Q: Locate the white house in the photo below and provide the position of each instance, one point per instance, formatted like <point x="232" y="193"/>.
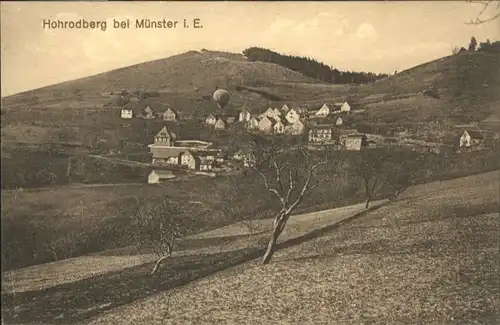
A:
<point x="324" y="111"/>
<point x="295" y="128"/>
<point x="470" y="138"/>
<point x="169" y="115"/>
<point x="211" y="119"/>
<point x="244" y="116"/>
<point x="339" y="121"/>
<point x="277" y="112"/>
<point x="252" y="124"/>
<point x="220" y="124"/>
<point x="292" y="116"/>
<point x="157" y="176"/>
<point x="189" y="160"/>
<point x="127" y="114"/>
<point x="344" y="107"/>
<point x="266" y="124"/>
<point x="279" y="127"/>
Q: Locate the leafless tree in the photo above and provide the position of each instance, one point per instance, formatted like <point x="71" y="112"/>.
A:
<point x="289" y="171"/>
<point x="490" y="11"/>
<point x="386" y="169"/>
<point x="156" y="224"/>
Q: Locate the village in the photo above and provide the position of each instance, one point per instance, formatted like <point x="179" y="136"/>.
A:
<point x="331" y="125"/>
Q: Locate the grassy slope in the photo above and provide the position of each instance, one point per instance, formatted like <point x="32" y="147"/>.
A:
<point x="427" y="259"/>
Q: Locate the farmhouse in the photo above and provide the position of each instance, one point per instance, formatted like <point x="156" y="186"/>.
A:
<point x="158" y="176"/>
<point x="190" y="161"/>
<point x="170" y="115"/>
<point x="127" y="113"/>
<point x="211" y="119"/>
<point x="470" y="138"/>
<point x="343" y="107"/>
<point x="279" y="127"/>
<point x="165" y="155"/>
<point x="324" y="111"/>
<point x="206" y="164"/>
<point x="149" y="113"/>
<point x="296" y="128"/>
<point x="354" y="142"/>
<point x="320" y="134"/>
<point x="164" y="138"/>
<point x="229" y="119"/>
<point x="244" y="116"/>
<point x="220" y="124"/>
<point x="252" y="124"/>
<point x="266" y="124"/>
<point x="292" y="116"/>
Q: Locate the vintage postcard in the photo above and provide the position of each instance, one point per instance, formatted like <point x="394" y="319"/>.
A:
<point x="250" y="162"/>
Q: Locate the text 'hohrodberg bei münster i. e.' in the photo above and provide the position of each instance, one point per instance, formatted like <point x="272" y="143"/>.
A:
<point x="120" y="24"/>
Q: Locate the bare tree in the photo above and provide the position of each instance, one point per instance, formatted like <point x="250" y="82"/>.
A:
<point x="288" y="171"/>
<point x="156" y="224"/>
<point x="386" y="169"/>
<point x="489" y="12"/>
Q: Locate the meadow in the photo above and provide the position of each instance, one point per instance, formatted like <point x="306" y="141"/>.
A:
<point x="425" y="257"/>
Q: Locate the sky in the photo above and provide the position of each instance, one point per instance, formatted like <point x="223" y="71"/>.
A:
<point x="380" y="36"/>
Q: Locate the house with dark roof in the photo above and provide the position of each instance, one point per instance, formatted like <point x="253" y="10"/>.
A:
<point x="170" y="115"/>
<point x="470" y="138"/>
<point x="354" y="142"/>
<point x="159" y="176"/>
<point x="189" y="160"/>
<point x="165" y="138"/>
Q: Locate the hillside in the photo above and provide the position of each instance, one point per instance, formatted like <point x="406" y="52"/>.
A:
<point x="464" y="89"/>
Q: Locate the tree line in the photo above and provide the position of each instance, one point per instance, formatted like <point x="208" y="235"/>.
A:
<point x="310" y="67"/>
<point x="486" y="47"/>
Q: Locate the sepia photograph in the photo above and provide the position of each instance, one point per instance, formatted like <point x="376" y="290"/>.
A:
<point x="250" y="162"/>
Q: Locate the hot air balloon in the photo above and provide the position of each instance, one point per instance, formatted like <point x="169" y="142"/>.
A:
<point x="221" y="96"/>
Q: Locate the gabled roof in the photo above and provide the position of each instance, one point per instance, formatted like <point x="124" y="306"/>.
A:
<point x="325" y="105"/>
<point x="356" y="136"/>
<point x="171" y="110"/>
<point x="211" y="116"/>
<point x="285" y="108"/>
<point x="165" y="133"/>
<point x="271" y="119"/>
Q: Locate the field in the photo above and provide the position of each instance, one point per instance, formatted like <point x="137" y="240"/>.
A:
<point x="426" y="257"/>
<point x="429" y="258"/>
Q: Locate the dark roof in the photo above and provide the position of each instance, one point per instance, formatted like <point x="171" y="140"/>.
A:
<point x="475" y="134"/>
<point x="356" y="136"/>
<point x="163" y="173"/>
<point x="165" y="132"/>
<point x="320" y="127"/>
<point x="166" y="152"/>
